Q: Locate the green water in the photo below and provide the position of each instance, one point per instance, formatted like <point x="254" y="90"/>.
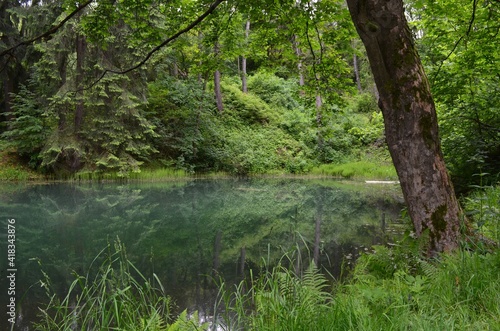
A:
<point x="188" y="231"/>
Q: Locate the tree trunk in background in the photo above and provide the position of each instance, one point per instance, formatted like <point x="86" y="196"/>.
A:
<point x="218" y="91"/>
<point x="8" y="88"/>
<point x="244" y="87"/>
<point x="298" y="52"/>
<point x="80" y="59"/>
<point x="410" y="120"/>
<point x="356" y="72"/>
<point x="217" y="87"/>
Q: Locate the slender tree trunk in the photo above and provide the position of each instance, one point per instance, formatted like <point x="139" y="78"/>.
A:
<point x="217" y="87"/>
<point x="319" y="124"/>
<point x="244" y="86"/>
<point x="8" y="88"/>
<point x="298" y="53"/>
<point x="80" y="58"/>
<point x="319" y="101"/>
<point x="410" y="120"/>
<point x="218" y="91"/>
<point x="356" y="72"/>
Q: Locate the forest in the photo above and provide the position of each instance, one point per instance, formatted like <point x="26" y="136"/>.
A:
<point x="146" y="89"/>
<point x="253" y="88"/>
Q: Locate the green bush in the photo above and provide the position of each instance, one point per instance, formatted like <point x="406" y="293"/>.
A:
<point x="484" y="208"/>
<point x="260" y="150"/>
<point x="274" y="90"/>
<point x="246" y="106"/>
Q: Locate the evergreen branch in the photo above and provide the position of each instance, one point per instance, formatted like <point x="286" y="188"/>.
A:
<point x="191" y="26"/>
<point x="49" y="32"/>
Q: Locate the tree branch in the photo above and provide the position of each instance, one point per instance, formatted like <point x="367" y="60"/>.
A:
<point x="469" y="29"/>
<point x="160" y="46"/>
<point x="48" y="32"/>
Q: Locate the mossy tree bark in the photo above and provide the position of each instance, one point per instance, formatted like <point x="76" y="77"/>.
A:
<point x="410" y="120"/>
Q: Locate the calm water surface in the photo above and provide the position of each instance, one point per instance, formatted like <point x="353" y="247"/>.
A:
<point x="186" y="231"/>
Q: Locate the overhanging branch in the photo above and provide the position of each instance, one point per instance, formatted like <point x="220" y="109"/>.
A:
<point x="160" y="46"/>
<point x="48" y="32"/>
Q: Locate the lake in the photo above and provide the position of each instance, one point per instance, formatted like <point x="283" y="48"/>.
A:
<point x="187" y="231"/>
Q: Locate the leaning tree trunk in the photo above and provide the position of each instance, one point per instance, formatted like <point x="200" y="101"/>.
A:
<point x="410" y="120"/>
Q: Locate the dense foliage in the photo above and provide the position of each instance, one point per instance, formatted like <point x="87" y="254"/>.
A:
<point x="295" y="90"/>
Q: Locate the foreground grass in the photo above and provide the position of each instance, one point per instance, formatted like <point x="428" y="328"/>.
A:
<point x="393" y="288"/>
<point x="113" y="295"/>
<point x="388" y="290"/>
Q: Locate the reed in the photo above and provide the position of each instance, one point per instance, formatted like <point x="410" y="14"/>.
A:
<point x="116" y="296"/>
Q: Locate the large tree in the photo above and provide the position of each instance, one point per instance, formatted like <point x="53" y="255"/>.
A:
<point x="410" y="120"/>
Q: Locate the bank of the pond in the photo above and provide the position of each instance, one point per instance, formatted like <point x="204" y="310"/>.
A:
<point x="12" y="169"/>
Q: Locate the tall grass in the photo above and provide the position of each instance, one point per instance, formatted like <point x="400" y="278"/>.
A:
<point x="116" y="296"/>
<point x="393" y="288"/>
<point x="278" y="299"/>
<point x="359" y="169"/>
<point x="158" y="174"/>
<point x="459" y="292"/>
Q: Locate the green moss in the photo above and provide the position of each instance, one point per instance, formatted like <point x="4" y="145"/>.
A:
<point x="438" y="221"/>
<point x="372" y="27"/>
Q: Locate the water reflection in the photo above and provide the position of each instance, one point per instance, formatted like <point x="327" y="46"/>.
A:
<point x="187" y="232"/>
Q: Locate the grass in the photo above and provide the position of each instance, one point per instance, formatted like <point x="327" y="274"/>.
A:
<point x="483" y="206"/>
<point x="386" y="291"/>
<point x="359" y="169"/>
<point x="113" y="295"/>
<point x="158" y="174"/>
<point x="12" y="170"/>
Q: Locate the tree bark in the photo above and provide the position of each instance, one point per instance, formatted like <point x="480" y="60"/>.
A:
<point x="217" y="87"/>
<point x="80" y="58"/>
<point x="356" y="72"/>
<point x="244" y="87"/>
<point x="298" y="53"/>
<point x="410" y="120"/>
<point x="218" y="91"/>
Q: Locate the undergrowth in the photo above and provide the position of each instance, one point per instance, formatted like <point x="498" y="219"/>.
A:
<point x="390" y="288"/>
<point x="11" y="168"/>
